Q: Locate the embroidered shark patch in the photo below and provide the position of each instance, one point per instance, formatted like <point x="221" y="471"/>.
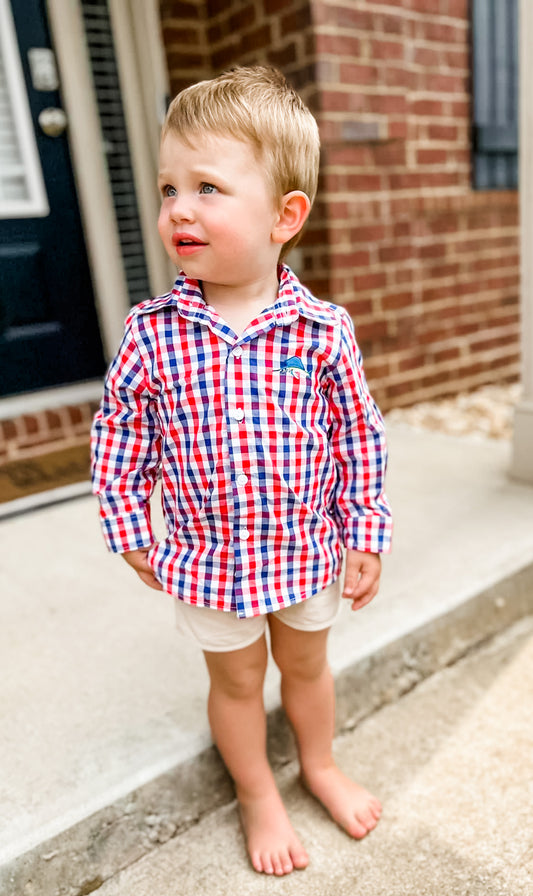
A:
<point x="294" y="366"/>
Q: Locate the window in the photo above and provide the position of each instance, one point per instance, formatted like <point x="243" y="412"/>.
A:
<point x="495" y="93"/>
<point x="22" y="192"/>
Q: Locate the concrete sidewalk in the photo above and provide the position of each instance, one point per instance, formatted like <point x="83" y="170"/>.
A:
<point x="452" y="762"/>
<point x="104" y="739"/>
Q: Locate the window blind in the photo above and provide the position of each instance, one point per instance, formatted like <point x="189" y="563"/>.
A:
<point x="495" y="93"/>
<point x="113" y="124"/>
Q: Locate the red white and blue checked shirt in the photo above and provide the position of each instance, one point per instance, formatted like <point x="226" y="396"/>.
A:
<point x="270" y="448"/>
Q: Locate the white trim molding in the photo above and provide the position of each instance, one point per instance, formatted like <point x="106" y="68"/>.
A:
<point x="522" y="461"/>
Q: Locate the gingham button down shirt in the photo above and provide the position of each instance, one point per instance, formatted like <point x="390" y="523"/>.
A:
<point x="270" y="449"/>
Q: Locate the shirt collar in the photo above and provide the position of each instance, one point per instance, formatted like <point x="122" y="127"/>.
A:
<point x="293" y="300"/>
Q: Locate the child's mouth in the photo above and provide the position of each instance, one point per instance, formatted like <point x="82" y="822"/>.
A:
<point x="186" y="245"/>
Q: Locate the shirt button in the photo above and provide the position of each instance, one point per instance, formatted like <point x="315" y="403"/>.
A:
<point x="237" y="352"/>
<point x="238" y="414"/>
<point x="242" y="479"/>
<point x="244" y="533"/>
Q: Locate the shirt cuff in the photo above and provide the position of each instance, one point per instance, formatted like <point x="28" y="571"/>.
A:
<point x="126" y="527"/>
<point x="371" y="533"/>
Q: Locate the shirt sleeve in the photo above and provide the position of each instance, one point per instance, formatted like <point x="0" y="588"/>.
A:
<point x="358" y="443"/>
<point x="126" y="449"/>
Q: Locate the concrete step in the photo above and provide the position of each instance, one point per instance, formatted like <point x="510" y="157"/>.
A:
<point x="451" y="763"/>
<point x="105" y="744"/>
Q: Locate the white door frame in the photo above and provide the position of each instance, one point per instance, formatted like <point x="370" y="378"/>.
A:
<point x="143" y="91"/>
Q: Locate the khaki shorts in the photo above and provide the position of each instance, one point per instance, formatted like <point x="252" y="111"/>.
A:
<point x="218" y="631"/>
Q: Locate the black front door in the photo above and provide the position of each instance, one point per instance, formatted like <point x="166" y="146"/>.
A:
<point x="49" y="331"/>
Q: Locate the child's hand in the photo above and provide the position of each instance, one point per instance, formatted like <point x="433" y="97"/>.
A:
<point x="139" y="562"/>
<point x="361" y="580"/>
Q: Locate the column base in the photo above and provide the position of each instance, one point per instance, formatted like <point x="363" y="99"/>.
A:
<point x="522" y="458"/>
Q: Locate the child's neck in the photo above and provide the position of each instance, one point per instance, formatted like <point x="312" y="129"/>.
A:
<point x="238" y="306"/>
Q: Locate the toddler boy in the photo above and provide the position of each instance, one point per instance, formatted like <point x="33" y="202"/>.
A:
<point x="247" y="396"/>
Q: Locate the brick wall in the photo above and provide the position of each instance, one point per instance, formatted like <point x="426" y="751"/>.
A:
<point x="428" y="267"/>
<point x="44" y="450"/>
<point x="30" y="434"/>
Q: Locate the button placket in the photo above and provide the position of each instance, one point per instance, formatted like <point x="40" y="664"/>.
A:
<point x="237" y="446"/>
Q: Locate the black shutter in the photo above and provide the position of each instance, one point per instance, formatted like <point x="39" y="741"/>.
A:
<point x="495" y="99"/>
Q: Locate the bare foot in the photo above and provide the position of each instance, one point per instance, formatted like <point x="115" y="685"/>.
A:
<point x="351" y="806"/>
<point x="272" y="843"/>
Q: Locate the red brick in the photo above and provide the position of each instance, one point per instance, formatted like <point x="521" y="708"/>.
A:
<point x="432" y="156"/>
<point x="351" y="17"/>
<point x="447" y="354"/>
<point x="367" y="332"/>
<point x="398" y="130"/>
<point x="427" y="107"/>
<point x="296" y="20"/>
<point x="394" y="24"/>
<point x="430" y="57"/>
<point x="439" y="272"/>
<point x="428" y="7"/>
<point x="432" y="250"/>
<point x="369" y="234"/>
<point x="388" y="104"/>
<point x="274" y="6"/>
<point x="363" y="182"/>
<point x="338" y="45"/>
<point x="459" y="9"/>
<point x="397" y="300"/>
<point x="396" y="76"/>
<point x="359" y="156"/>
<point x="181" y="59"/>
<point x="447" y="132"/>
<point x="387" y="49"/>
<point x="395" y="252"/>
<point x="358" y="74"/>
<point x="53" y="420"/>
<point x="441" y="32"/>
<point x="283" y="56"/>
<point x="242" y="18"/>
<point x="257" y="39"/>
<point x="369" y="281"/>
<point x="31" y="424"/>
<point x="176" y="34"/>
<point x="349" y="259"/>
<point x="8" y="430"/>
<point x="181" y="9"/>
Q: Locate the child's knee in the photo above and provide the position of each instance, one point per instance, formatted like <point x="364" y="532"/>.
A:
<point x="299" y="655"/>
<point x="238" y="675"/>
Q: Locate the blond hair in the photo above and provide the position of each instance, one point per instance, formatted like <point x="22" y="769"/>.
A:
<point x="255" y="104"/>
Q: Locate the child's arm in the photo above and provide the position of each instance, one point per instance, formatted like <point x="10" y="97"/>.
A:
<point x="358" y="444"/>
<point x="126" y="448"/>
<point x="361" y="579"/>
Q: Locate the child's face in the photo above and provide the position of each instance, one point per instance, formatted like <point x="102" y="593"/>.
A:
<point x="217" y="212"/>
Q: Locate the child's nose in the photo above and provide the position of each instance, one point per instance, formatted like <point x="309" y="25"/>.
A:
<point x="181" y="208"/>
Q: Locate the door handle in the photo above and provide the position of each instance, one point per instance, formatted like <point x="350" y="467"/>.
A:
<point x="53" y="121"/>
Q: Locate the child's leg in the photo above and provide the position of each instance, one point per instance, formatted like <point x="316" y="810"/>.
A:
<point x="238" y="725"/>
<point x="308" y="696"/>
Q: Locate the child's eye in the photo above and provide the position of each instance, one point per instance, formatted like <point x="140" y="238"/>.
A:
<point x="207" y="188"/>
<point x="168" y="191"/>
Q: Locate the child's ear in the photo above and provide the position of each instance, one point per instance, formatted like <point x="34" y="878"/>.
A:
<point x="293" y="213"/>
